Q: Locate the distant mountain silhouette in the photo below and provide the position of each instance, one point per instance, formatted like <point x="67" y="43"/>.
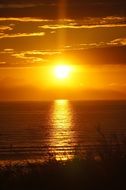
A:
<point x="33" y="93"/>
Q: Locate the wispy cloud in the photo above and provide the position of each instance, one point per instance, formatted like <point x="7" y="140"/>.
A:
<point x="24" y="19"/>
<point x="114" y="55"/>
<point x="2" y="63"/>
<point x="3" y="28"/>
<point x="88" y="22"/>
<point x="24" y="54"/>
<point x="76" y="26"/>
<point x="19" y="5"/>
<point x="119" y="41"/>
<point x="19" y="35"/>
<point x="35" y="56"/>
<point x="26" y="58"/>
<point x="8" y="50"/>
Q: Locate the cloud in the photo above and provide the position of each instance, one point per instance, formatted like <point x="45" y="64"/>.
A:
<point x="76" y="26"/>
<point x="12" y="58"/>
<point x="119" y="41"/>
<point x="18" y="6"/>
<point x="19" y="35"/>
<point x="87" y="22"/>
<point x="35" y="53"/>
<point x="85" y="46"/>
<point x="3" y="28"/>
<point x="28" y="51"/>
<point x="2" y="63"/>
<point x="36" y="56"/>
<point x="29" y="58"/>
<point x="8" y="50"/>
<point x="23" y="19"/>
<point x="51" y="8"/>
<point x="84" y="20"/>
<point x="114" y="55"/>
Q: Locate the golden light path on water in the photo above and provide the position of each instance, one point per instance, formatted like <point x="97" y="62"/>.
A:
<point x="62" y="133"/>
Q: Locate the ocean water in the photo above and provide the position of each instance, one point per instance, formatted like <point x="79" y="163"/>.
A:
<point x="39" y="129"/>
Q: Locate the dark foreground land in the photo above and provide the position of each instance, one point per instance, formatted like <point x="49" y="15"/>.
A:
<point x="103" y="168"/>
<point x="75" y="174"/>
<point x="88" y="174"/>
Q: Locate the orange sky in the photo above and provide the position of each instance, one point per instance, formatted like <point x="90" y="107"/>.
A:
<point x="31" y="46"/>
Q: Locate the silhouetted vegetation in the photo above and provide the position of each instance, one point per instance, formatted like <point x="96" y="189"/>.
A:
<point x="101" y="168"/>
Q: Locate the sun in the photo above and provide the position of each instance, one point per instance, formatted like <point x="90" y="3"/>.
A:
<point x="62" y="71"/>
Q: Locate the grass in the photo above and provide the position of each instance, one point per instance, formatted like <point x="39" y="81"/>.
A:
<point x="72" y="174"/>
<point x="101" y="168"/>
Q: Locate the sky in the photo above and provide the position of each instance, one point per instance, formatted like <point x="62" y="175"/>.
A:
<point x="89" y="35"/>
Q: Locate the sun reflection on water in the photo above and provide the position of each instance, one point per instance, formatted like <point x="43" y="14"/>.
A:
<point x="61" y="120"/>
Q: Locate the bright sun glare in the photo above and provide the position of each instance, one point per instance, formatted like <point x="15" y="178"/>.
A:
<point x="62" y="71"/>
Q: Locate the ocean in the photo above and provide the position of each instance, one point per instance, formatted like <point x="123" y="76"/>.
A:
<point x="30" y="130"/>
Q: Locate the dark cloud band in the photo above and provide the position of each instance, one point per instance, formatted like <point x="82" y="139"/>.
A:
<point x="52" y="8"/>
